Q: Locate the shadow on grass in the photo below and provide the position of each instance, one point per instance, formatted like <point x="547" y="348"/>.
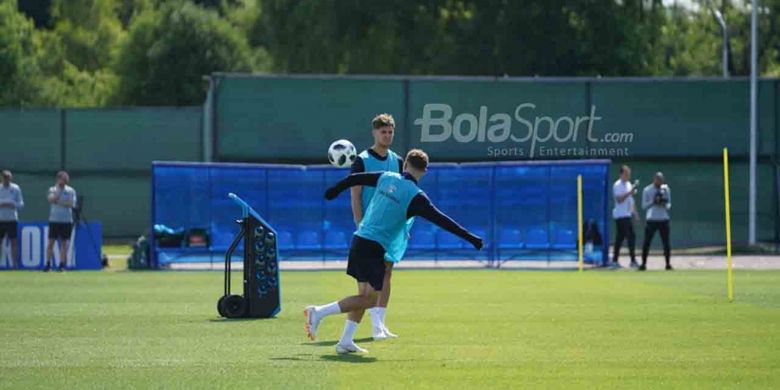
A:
<point x="294" y="359"/>
<point x="333" y="342"/>
<point x="225" y="320"/>
<point x="349" y="358"/>
<point x="346" y="358"/>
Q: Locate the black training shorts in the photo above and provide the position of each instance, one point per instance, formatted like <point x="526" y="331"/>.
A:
<point x="8" y="229"/>
<point x="60" y="231"/>
<point x="367" y="262"/>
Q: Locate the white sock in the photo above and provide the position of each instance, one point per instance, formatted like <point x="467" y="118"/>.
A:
<point x="374" y="318"/>
<point x="349" y="332"/>
<point x="378" y="317"/>
<point x="329" y="309"/>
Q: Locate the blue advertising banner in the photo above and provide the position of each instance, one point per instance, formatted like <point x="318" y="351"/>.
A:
<point x="32" y="240"/>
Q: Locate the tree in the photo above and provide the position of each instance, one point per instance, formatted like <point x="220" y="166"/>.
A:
<point x="65" y="84"/>
<point x="35" y="72"/>
<point x="244" y="16"/>
<point x="97" y="52"/>
<point x="472" y="37"/>
<point x="169" y="50"/>
<point x="352" y="36"/>
<point x="692" y="41"/>
<point x="129" y="9"/>
<point x="90" y="30"/>
<point x="19" y="49"/>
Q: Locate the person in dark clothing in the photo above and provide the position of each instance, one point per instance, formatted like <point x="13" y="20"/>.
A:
<point x="396" y="199"/>
<point x="378" y="158"/>
<point x="657" y="200"/>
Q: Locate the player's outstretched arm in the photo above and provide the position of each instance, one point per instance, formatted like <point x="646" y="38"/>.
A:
<point x="355" y="179"/>
<point x="422" y="206"/>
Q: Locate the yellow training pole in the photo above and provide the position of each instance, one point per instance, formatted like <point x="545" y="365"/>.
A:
<point x="579" y="221"/>
<point x="729" y="277"/>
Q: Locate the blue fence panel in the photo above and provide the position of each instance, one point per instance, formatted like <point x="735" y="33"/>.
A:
<point x="525" y="210"/>
<point x="251" y="183"/>
<point x="338" y="222"/>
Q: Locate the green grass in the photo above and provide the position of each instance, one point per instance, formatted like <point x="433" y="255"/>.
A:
<point x="459" y="329"/>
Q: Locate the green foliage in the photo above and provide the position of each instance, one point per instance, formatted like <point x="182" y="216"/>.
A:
<point x="90" y="31"/>
<point x="496" y="37"/>
<point x="169" y="50"/>
<point x="692" y="40"/>
<point x="98" y="52"/>
<point x="244" y="15"/>
<point x="19" y="49"/>
<point x="698" y="52"/>
<point x="491" y="37"/>
<point x="35" y="68"/>
<point x="129" y="9"/>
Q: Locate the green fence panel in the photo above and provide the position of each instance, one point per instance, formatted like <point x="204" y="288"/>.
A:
<point x="120" y="203"/>
<point x="294" y="119"/>
<point x="471" y="119"/>
<point x="685" y="118"/>
<point x="131" y="138"/>
<point x="767" y="117"/>
<point x="31" y="139"/>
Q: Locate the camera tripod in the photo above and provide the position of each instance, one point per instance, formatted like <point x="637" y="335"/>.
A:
<point x="79" y="217"/>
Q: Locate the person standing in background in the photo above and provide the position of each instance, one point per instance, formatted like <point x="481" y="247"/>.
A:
<point x="657" y="200"/>
<point x="62" y="201"/>
<point x="10" y="202"/>
<point x="379" y="158"/>
<point x="623" y="192"/>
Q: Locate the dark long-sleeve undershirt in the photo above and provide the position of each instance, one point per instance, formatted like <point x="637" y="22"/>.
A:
<point x="420" y="206"/>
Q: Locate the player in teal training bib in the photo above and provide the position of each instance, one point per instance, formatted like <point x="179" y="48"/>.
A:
<point x="380" y="158"/>
<point x="371" y="162"/>
<point x="396" y="200"/>
<point x="385" y="219"/>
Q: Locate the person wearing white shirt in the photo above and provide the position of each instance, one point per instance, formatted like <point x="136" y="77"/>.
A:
<point x="657" y="200"/>
<point x="62" y="201"/>
<point x="10" y="202"/>
<point x="623" y="192"/>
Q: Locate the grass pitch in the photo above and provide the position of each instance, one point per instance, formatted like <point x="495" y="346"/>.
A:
<point x="459" y="329"/>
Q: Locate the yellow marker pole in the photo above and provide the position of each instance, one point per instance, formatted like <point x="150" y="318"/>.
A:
<point x="579" y="221"/>
<point x="730" y="276"/>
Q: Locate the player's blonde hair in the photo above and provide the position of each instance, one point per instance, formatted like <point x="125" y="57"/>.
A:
<point x="417" y="159"/>
<point x="382" y="120"/>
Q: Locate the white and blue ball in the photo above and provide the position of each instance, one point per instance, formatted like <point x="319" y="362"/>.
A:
<point x="342" y="153"/>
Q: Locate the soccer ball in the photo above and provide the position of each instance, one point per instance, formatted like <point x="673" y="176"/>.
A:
<point x="342" y="153"/>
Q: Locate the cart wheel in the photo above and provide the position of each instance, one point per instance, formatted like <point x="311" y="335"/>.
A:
<point x="234" y="306"/>
<point x="221" y="305"/>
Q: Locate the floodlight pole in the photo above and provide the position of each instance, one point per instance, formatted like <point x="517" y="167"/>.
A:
<point x="725" y="32"/>
<point x="753" y="120"/>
